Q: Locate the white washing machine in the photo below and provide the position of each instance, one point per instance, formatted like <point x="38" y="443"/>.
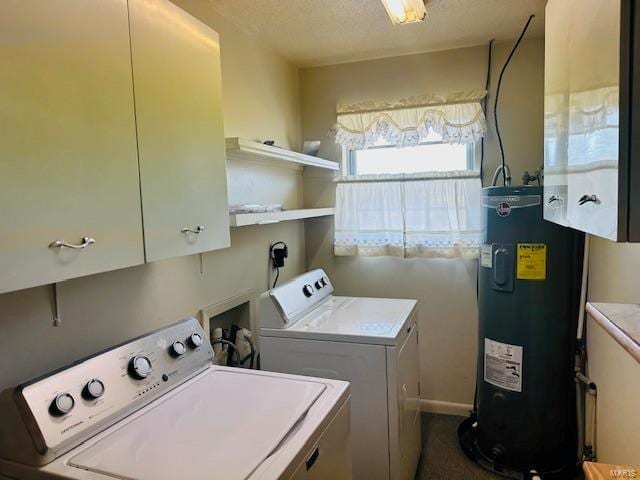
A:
<point x="370" y="342"/>
<point x="156" y="409"/>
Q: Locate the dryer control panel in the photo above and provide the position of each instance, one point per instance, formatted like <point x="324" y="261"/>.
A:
<point x="65" y="407"/>
<point x="300" y="295"/>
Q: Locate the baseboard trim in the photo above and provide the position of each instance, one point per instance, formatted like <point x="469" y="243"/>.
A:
<point x="445" y="408"/>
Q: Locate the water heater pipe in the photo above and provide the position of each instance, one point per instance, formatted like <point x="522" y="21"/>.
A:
<point x="583" y="288"/>
<point x="580" y="418"/>
<point x="585" y="400"/>
<point x="590" y="407"/>
<point x="506" y="171"/>
<point x="590" y="422"/>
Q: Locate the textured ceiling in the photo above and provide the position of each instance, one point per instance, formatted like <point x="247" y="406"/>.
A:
<point x="324" y="32"/>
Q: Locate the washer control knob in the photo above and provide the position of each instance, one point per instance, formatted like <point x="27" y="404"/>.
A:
<point x="93" y="390"/>
<point x="177" y="349"/>
<point x="325" y="281"/>
<point x="140" y="367"/>
<point x="195" y="340"/>
<point x="62" y="404"/>
<point x="308" y="290"/>
<point x="319" y="284"/>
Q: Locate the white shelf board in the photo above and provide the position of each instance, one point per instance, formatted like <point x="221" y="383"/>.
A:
<point x="243" y="219"/>
<point x="241" y="149"/>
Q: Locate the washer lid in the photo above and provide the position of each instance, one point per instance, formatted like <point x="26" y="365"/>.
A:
<point x="223" y="425"/>
<point x="352" y="319"/>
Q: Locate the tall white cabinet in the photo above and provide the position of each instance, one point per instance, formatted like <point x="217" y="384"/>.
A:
<point x="111" y="139"/>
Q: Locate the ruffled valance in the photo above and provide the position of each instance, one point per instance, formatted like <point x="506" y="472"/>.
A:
<point x="576" y="121"/>
<point x="457" y="119"/>
<point x="594" y="110"/>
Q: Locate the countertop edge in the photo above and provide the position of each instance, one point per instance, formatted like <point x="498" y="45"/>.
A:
<point x="619" y="335"/>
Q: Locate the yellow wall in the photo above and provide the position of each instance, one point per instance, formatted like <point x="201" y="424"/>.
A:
<point x="260" y="96"/>
<point x="613" y="277"/>
<point x="446" y="289"/>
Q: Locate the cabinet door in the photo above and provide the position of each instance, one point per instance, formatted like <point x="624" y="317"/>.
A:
<point x="594" y="117"/>
<point x="68" y="161"/>
<point x="176" y="72"/>
<point x="556" y="109"/>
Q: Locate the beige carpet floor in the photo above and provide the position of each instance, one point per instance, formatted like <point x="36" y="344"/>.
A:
<point x="442" y="458"/>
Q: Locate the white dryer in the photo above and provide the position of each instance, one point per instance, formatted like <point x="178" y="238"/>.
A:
<point x="370" y="342"/>
<point x="156" y="409"/>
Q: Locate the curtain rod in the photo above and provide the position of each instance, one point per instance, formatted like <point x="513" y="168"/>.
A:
<point x="392" y="108"/>
<point x="405" y="179"/>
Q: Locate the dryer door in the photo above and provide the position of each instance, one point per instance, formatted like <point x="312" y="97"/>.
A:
<point x="404" y="405"/>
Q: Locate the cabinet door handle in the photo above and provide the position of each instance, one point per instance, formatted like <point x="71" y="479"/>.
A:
<point x="86" y="241"/>
<point x="198" y="230"/>
<point x="553" y="198"/>
<point x="588" y="198"/>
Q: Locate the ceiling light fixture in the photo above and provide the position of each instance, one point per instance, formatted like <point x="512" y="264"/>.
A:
<point x="405" y="11"/>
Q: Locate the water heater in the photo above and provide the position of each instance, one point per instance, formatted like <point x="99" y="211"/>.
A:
<point x="528" y="292"/>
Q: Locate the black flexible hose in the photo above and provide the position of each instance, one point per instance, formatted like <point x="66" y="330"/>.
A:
<point x="495" y="104"/>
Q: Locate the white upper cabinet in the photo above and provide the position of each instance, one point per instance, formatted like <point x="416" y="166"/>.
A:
<point x="592" y="123"/>
<point x="556" y="110"/>
<point x="68" y="160"/>
<point x="594" y="117"/>
<point x="111" y="140"/>
<point x="176" y="76"/>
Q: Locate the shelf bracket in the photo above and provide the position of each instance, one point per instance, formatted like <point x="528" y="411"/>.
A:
<point x="55" y="304"/>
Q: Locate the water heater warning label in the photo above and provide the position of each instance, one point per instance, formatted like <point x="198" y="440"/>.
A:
<point x="503" y="365"/>
<point x="532" y="261"/>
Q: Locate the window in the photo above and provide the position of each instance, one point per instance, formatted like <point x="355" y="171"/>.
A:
<point x="433" y="155"/>
<point x="402" y="202"/>
<point x="421" y="200"/>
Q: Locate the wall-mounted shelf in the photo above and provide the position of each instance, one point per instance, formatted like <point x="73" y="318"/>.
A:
<point x="244" y="219"/>
<point x="242" y="149"/>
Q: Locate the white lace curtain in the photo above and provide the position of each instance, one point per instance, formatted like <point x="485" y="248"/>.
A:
<point x="576" y="121"/>
<point x="423" y="215"/>
<point x="458" y="118"/>
<point x="409" y="217"/>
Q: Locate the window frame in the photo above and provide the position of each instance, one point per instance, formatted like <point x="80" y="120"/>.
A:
<point x="473" y="157"/>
